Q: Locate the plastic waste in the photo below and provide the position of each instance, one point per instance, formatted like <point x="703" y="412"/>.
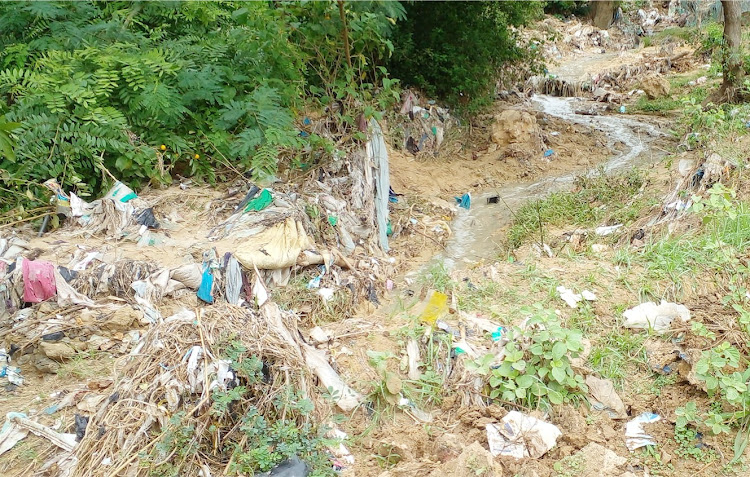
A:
<point x="206" y="288"/>
<point x="495" y="199"/>
<point x="622" y="109"/>
<point x="261" y="202"/>
<point x="572" y="298"/>
<point x="233" y="281"/>
<point x="635" y="435"/>
<point x="607" y="230"/>
<point x="292" y="467"/>
<point x="121" y="193"/>
<point x="62" y="199"/>
<point x="150" y="239"/>
<point x="464" y="201"/>
<point x="548" y="152"/>
<point x="649" y="315"/>
<point x="378" y="154"/>
<point x="521" y="436"/>
<point x="436" y="308"/>
<point x="411" y="408"/>
<point x="147" y="219"/>
<point x="90" y="257"/>
<point x="38" y="281"/>
<point x="81" y="423"/>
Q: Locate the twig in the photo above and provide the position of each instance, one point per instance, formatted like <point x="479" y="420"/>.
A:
<point x="27" y="219"/>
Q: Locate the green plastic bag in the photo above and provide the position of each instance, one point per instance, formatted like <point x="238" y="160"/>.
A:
<point x="260" y="202"/>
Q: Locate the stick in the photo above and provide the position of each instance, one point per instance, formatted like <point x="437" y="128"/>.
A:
<point x="27" y="219"/>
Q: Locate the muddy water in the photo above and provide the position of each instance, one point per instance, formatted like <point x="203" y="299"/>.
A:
<point x="476" y="231"/>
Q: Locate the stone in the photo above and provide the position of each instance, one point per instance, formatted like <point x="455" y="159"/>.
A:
<point x="58" y="350"/>
<point x="517" y="127"/>
<point x="474" y="460"/>
<point x="122" y="319"/>
<point x="45" y="365"/>
<point x="655" y="87"/>
<point x="595" y="460"/>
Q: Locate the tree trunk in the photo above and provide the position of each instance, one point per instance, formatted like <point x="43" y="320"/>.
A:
<point x="602" y="13"/>
<point x="732" y="56"/>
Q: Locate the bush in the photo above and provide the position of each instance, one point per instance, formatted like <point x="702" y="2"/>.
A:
<point x="145" y="89"/>
<point x="455" y="49"/>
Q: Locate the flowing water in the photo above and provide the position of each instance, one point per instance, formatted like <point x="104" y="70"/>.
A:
<point x="475" y="231"/>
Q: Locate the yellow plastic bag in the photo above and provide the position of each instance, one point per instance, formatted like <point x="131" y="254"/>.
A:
<point x="436" y="308"/>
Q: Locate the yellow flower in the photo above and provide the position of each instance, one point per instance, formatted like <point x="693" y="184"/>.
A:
<point x="197" y="156"/>
<point x="163" y="147"/>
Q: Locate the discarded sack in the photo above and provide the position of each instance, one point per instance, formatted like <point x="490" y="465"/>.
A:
<point x="275" y="247"/>
<point x="521" y="436"/>
<point x="649" y="315"/>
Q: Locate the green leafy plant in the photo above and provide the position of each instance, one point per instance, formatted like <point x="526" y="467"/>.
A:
<point x="456" y="49"/>
<point x="149" y="89"/>
<point x="536" y="369"/>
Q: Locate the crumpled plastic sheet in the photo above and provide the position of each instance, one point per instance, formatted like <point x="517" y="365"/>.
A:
<point x="521" y="436"/>
<point x="38" y="281"/>
<point x="233" y="281"/>
<point x="635" y="435"/>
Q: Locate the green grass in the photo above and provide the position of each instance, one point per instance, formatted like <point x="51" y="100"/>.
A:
<point x="688" y="35"/>
<point x="612" y="353"/>
<point x="437" y="278"/>
<point x="595" y="198"/>
<point x="658" y="105"/>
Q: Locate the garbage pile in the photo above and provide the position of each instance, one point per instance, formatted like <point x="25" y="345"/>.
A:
<point x="170" y="323"/>
<point x="427" y="125"/>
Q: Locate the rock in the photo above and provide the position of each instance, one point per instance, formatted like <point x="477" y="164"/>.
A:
<point x="122" y="319"/>
<point x="595" y="460"/>
<point x="96" y="342"/>
<point x="447" y="447"/>
<point x="655" y="87"/>
<point x="475" y="460"/>
<point x="87" y="317"/>
<point x="47" y="307"/>
<point x="57" y="350"/>
<point x="517" y="127"/>
<point x="45" y="365"/>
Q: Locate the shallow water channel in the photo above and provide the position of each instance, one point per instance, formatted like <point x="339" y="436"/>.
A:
<point x="476" y="230"/>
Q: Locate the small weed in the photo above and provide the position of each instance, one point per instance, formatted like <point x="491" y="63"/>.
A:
<point x="613" y="350"/>
<point x="86" y="365"/>
<point x="652" y="457"/>
<point x="437" y="278"/>
<point x="660" y="382"/>
<point x="658" y="105"/>
<point x="570" y="466"/>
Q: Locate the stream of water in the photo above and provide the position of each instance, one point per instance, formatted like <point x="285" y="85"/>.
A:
<point x="475" y="231"/>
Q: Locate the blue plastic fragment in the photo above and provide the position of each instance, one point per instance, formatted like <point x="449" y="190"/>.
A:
<point x="464" y="201"/>
<point x="548" y="152"/>
<point x="207" y="285"/>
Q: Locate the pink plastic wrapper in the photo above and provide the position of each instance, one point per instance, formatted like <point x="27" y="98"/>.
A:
<point x="38" y="281"/>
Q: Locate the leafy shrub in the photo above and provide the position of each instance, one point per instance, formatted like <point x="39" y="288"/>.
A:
<point x="455" y="49"/>
<point x="536" y="369"/>
<point x="109" y="83"/>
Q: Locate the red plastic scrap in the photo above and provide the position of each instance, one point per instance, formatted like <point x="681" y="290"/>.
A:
<point x="38" y="281"/>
